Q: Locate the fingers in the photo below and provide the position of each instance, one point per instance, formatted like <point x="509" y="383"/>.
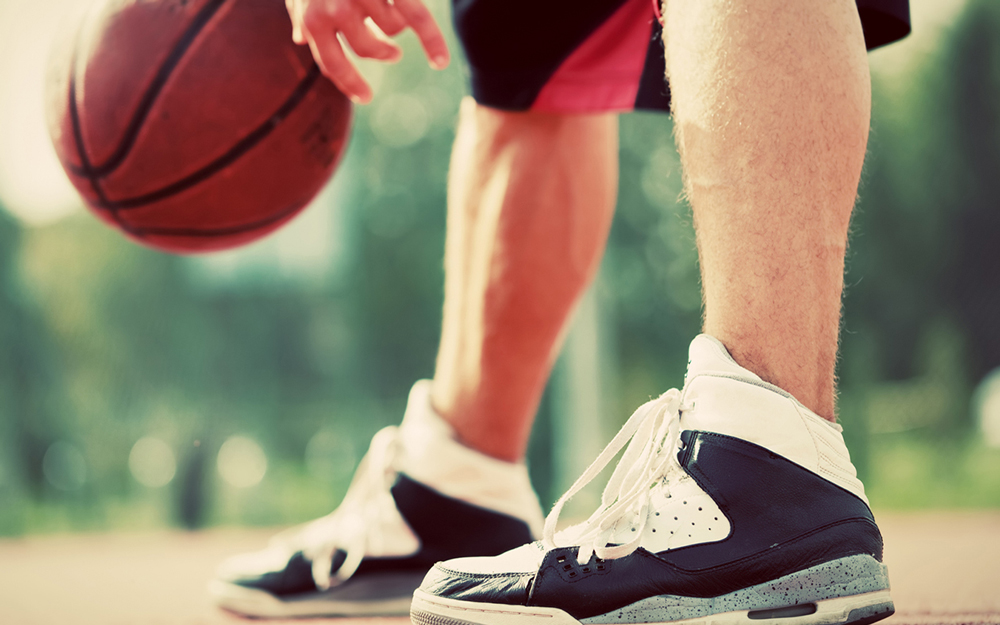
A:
<point x="422" y="22"/>
<point x="385" y="15"/>
<point x="367" y="44"/>
<point x="295" y="13"/>
<point x="326" y="25"/>
<point x="329" y="54"/>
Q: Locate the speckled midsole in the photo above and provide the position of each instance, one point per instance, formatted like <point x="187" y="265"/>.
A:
<point x="854" y="589"/>
<point x="845" y="577"/>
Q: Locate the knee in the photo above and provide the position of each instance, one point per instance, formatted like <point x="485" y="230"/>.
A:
<point x="500" y="127"/>
<point x="508" y="125"/>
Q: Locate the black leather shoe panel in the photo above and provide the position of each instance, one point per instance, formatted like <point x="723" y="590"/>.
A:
<point x="449" y="528"/>
<point x="784" y="518"/>
<point x="767" y="498"/>
<point x="619" y="583"/>
<point x="507" y="588"/>
<point x="295" y="578"/>
<point x="446" y="527"/>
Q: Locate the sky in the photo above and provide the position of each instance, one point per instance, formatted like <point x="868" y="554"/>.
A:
<point x="32" y="184"/>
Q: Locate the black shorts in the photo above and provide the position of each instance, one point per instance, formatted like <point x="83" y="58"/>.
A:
<point x="592" y="56"/>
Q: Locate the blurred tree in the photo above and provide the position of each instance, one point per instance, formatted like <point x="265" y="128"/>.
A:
<point x="924" y="258"/>
<point x="33" y="411"/>
<point x="972" y="61"/>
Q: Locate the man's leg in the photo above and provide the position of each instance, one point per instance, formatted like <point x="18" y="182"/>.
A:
<point x="733" y="502"/>
<point x="531" y="196"/>
<point x="530" y="203"/>
<point x="771" y="103"/>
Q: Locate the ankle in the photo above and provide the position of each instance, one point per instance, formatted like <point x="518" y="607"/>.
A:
<point x="432" y="454"/>
<point x="494" y="422"/>
<point x="797" y="367"/>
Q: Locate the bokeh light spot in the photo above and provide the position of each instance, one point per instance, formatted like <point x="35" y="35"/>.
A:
<point x="64" y="466"/>
<point x="400" y="120"/>
<point x="241" y="462"/>
<point x="987" y="401"/>
<point x="152" y="462"/>
<point x="330" y="455"/>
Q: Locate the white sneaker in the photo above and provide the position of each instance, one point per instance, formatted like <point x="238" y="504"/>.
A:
<point x="419" y="496"/>
<point x="732" y="504"/>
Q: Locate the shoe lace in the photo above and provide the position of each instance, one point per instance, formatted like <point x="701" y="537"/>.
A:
<point x="654" y="430"/>
<point x="354" y="526"/>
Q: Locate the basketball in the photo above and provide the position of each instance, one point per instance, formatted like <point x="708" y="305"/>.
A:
<point x="193" y="125"/>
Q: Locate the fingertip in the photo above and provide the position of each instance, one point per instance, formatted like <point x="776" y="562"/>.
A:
<point x="360" y="98"/>
<point x="390" y="53"/>
<point x="440" y="61"/>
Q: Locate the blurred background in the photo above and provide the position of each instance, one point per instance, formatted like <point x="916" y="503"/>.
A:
<point x="141" y="390"/>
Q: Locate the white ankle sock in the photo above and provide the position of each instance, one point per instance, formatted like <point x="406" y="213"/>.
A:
<point x="432" y="456"/>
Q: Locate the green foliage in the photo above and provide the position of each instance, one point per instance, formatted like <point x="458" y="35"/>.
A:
<point x="923" y="289"/>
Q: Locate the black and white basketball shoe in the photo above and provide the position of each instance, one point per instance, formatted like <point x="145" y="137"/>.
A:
<point x="732" y="504"/>
<point x="418" y="497"/>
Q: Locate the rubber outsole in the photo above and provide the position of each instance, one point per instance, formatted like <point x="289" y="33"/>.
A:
<point x="383" y="595"/>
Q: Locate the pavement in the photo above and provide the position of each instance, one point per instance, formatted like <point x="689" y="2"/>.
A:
<point x="944" y="567"/>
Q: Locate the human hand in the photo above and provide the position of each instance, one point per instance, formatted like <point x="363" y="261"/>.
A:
<point x="326" y="25"/>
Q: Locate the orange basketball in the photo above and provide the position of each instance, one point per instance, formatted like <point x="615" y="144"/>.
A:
<point x="193" y="125"/>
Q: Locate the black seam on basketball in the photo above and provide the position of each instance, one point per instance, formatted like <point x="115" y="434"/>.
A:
<point x="74" y="115"/>
<point x="238" y="150"/>
<point x="213" y="232"/>
<point x="152" y="92"/>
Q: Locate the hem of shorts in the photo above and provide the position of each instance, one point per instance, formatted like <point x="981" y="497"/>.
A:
<point x="584" y="96"/>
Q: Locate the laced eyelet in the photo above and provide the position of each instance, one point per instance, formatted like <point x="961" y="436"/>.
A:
<point x="652" y="437"/>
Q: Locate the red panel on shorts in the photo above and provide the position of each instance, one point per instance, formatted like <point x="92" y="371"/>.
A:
<point x="603" y="73"/>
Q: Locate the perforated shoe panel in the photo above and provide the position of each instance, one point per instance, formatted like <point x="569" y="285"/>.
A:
<point x="683" y="515"/>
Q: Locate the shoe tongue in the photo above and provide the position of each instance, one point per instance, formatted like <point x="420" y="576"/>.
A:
<point x="707" y="355"/>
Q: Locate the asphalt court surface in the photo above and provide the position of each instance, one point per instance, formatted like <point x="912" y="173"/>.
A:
<point x="944" y="568"/>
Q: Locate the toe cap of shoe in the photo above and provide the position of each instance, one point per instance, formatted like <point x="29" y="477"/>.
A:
<point x="451" y="583"/>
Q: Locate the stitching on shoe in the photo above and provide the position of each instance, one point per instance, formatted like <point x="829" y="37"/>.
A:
<point x="833" y="448"/>
<point x="812" y="438"/>
<point x="766" y="553"/>
<point x="468" y="575"/>
<point x="837" y="474"/>
<point x="485" y="611"/>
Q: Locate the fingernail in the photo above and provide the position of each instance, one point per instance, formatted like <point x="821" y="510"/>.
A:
<point x="440" y="62"/>
<point x="355" y="99"/>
